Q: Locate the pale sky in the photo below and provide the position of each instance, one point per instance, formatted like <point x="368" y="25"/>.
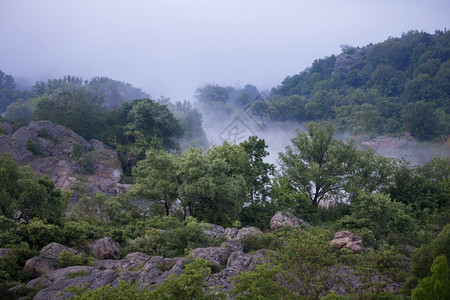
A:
<point x="170" y="48"/>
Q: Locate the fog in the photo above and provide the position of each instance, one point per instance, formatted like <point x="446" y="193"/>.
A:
<point x="170" y="48"/>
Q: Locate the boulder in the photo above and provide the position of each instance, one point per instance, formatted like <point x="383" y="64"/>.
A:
<point x="104" y="248"/>
<point x="213" y="231"/>
<point x="132" y="261"/>
<point x="248" y="231"/>
<point x="53" y="251"/>
<point x="158" y="269"/>
<point x="233" y="246"/>
<point x="39" y="266"/>
<point x="231" y="233"/>
<point x="348" y="240"/>
<point x="281" y="219"/>
<point x="58" y="281"/>
<point x="62" y="154"/>
<point x="216" y="255"/>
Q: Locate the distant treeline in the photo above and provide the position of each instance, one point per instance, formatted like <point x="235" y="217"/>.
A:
<point x="401" y="84"/>
<point x="118" y="114"/>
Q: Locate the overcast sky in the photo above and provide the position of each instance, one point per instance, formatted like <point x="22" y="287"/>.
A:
<point x="172" y="47"/>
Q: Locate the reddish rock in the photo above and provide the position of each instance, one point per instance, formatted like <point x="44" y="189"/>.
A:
<point x="39" y="266"/>
<point x="348" y="240"/>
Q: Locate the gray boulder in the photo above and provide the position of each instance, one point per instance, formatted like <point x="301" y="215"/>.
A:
<point x="281" y="219"/>
<point x="104" y="248"/>
<point x="216" y="255"/>
<point x="39" y="266"/>
<point x="54" y="250"/>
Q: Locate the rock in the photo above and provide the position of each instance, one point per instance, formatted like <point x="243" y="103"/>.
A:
<point x="248" y="231"/>
<point x="62" y="152"/>
<point x="132" y="261"/>
<point x="7" y="128"/>
<point x="213" y="231"/>
<point x="237" y="262"/>
<point x="53" y="251"/>
<point x="348" y="240"/>
<point x="231" y="233"/>
<point x="59" y="281"/>
<point x="4" y="251"/>
<point x="152" y="273"/>
<point x="215" y="255"/>
<point x="233" y="246"/>
<point x="281" y="219"/>
<point x="243" y="261"/>
<point x="39" y="266"/>
<point x="104" y="248"/>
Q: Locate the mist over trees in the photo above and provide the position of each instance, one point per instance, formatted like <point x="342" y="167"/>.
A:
<point x="399" y="211"/>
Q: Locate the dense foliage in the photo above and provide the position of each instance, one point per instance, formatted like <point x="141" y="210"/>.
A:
<point x="401" y="211"/>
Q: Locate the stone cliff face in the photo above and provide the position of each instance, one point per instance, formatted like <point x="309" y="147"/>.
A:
<point x="64" y="156"/>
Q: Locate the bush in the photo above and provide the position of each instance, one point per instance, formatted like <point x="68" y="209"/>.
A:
<point x="77" y="274"/>
<point x="254" y="242"/>
<point x="39" y="234"/>
<point x="34" y="148"/>
<point x="11" y="266"/>
<point x="67" y="259"/>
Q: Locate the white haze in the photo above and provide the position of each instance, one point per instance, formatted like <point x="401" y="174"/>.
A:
<point x="170" y="48"/>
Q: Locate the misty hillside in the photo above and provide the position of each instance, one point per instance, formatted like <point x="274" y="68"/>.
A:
<point x="399" y="85"/>
<point x="158" y="215"/>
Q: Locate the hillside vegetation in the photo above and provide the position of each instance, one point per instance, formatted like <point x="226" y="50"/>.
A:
<point x="371" y="227"/>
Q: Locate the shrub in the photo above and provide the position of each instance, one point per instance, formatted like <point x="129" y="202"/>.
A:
<point x="39" y="234"/>
<point x="11" y="266"/>
<point x="67" y="259"/>
<point x="254" y="242"/>
<point x="34" y="148"/>
<point x="77" y="274"/>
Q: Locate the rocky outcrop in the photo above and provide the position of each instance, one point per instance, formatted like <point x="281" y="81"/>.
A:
<point x="48" y="259"/>
<point x="64" y="156"/>
<point x="385" y="141"/>
<point x="104" y="248"/>
<point x="215" y="231"/>
<point x="54" y="250"/>
<point x="57" y="281"/>
<point x="281" y="219"/>
<point x="237" y="262"/>
<point x="132" y="261"/>
<point x="348" y="240"/>
<point x="39" y="266"/>
<point x="216" y="255"/>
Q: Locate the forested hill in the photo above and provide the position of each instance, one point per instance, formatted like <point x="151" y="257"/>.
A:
<point x="401" y="84"/>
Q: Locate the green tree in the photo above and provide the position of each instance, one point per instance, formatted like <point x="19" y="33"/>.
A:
<point x="436" y="286"/>
<point x="262" y="283"/>
<point x="212" y="93"/>
<point x="156" y="178"/>
<point x="77" y="109"/>
<point x="25" y="195"/>
<point x="259" y="175"/>
<point x="207" y="190"/>
<point x="317" y="162"/>
<point x="155" y="122"/>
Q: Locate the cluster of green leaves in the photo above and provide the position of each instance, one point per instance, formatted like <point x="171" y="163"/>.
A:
<point x="212" y="187"/>
<point x="23" y="195"/>
<point x="170" y="243"/>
